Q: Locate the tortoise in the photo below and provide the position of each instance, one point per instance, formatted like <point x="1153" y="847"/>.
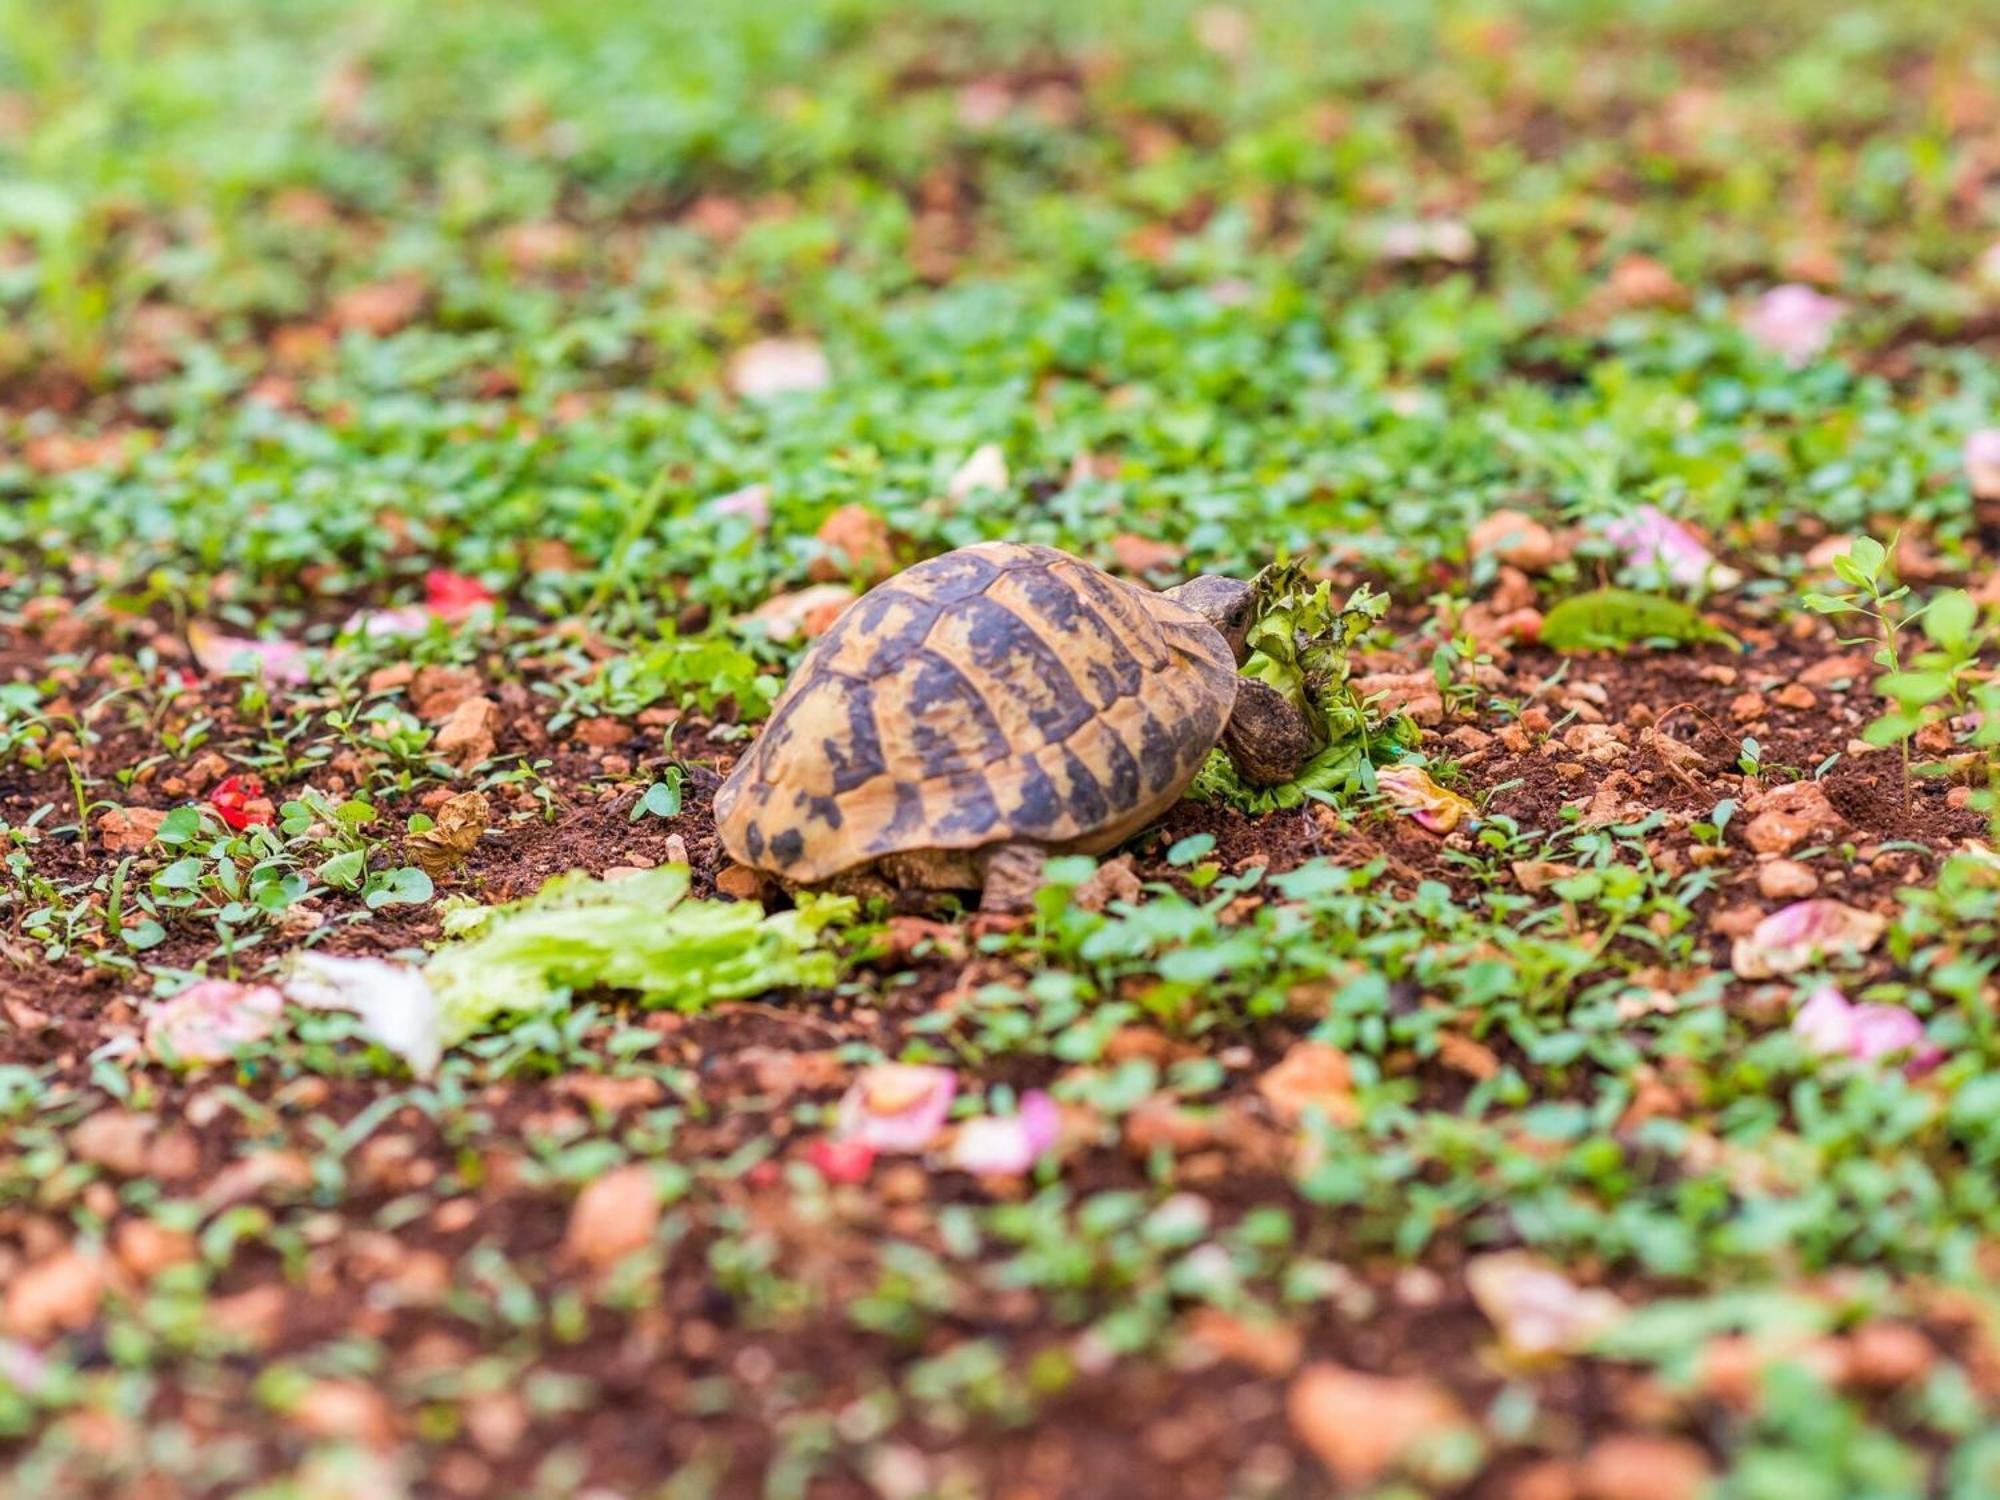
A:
<point x="990" y="706"/>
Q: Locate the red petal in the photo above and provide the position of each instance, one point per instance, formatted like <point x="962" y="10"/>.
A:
<point x="846" y="1161"/>
<point x="452" y="594"/>
<point x="232" y="797"/>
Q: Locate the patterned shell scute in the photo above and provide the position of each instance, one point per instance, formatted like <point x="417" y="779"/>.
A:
<point x="998" y="692"/>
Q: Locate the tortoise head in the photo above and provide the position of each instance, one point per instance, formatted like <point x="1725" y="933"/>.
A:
<point x="1224" y="602"/>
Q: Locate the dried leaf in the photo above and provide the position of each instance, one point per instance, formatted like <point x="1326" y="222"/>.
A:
<point x="1362" y="1426"/>
<point x="467" y="737"/>
<point x="614" y="1216"/>
<point x="460" y="821"/>
<point x="803" y="612"/>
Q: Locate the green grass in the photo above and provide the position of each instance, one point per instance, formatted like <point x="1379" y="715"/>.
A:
<point x="1152" y="253"/>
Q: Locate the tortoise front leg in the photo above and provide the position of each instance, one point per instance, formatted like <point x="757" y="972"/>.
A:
<point x="1267" y="738"/>
<point x="1013" y="875"/>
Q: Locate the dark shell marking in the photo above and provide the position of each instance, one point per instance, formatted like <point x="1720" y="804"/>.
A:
<point x="1001" y="691"/>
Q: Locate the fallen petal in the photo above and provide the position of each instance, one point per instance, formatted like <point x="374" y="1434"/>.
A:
<point x="240" y="802"/>
<point x="776" y="367"/>
<point x="395" y="1003"/>
<point x="1877" y="1031"/>
<point x="1825" y="1023"/>
<point x="1536" y="1309"/>
<point x="1794" y="321"/>
<point x="210" y="1021"/>
<point x="219" y="655"/>
<point x="897" y="1108"/>
<point x="844" y="1162"/>
<point x="1007" y="1145"/>
<point x="1982" y="464"/>
<point x="451" y="595"/>
<point x="1650" y="538"/>
<point x="23" y="1368"/>
<point x="986" y="469"/>
<point x="376" y="624"/>
<point x="1412" y="792"/>
<point x="1427" y="239"/>
<point x="1801" y="934"/>
<point x="753" y="502"/>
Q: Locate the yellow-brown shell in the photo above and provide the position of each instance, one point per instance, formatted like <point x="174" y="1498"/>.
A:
<point x="998" y="693"/>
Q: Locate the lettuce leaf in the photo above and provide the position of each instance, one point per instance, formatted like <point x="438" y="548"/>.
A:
<point x="1299" y="641"/>
<point x="1609" y="619"/>
<point x="642" y="935"/>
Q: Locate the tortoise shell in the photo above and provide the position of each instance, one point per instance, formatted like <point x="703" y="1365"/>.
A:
<point x="999" y="693"/>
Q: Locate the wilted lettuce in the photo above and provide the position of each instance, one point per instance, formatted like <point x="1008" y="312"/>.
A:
<point x="1299" y="641"/>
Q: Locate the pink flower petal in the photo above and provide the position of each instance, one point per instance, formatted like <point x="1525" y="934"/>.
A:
<point x="1885" y="1030"/>
<point x="1825" y="1023"/>
<point x="1801" y="934"/>
<point x="220" y="655"/>
<point x="845" y="1162"/>
<point x="1651" y="538"/>
<point x="23" y="1367"/>
<point x="1982" y="463"/>
<point x="209" y="1021"/>
<point x="753" y="502"/>
<point x="1794" y="321"/>
<point x="1831" y="1026"/>
<point x="448" y="596"/>
<point x="1007" y="1145"/>
<point x="377" y="624"/>
<point x="1427" y="239"/>
<point x="897" y="1107"/>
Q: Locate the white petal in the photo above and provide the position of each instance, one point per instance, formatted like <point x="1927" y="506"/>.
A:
<point x="395" y="1002"/>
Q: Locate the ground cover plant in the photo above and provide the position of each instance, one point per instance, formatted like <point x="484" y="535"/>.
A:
<point x="430" y="433"/>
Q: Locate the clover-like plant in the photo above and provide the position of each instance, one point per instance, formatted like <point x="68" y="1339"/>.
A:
<point x="1922" y="687"/>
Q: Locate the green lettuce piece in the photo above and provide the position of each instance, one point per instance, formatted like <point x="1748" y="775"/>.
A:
<point x="642" y="935"/>
<point x="1299" y="641"/>
<point x="1606" y="619"/>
